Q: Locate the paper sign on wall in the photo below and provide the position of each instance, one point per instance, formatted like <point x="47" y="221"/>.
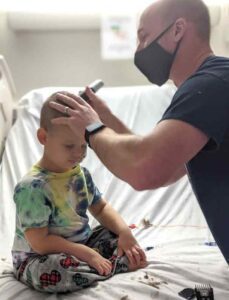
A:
<point x="118" y="37"/>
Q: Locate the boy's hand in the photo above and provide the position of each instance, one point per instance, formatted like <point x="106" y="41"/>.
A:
<point x="128" y="245"/>
<point x="101" y="264"/>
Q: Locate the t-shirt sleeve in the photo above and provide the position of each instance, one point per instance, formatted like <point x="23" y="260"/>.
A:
<point x="33" y="207"/>
<point x="203" y="102"/>
<point x="93" y="191"/>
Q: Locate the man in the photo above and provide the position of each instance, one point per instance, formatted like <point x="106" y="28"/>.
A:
<point x="193" y="134"/>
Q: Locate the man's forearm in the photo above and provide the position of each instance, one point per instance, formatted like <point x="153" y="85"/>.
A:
<point x="176" y="176"/>
<point x="119" y="152"/>
<point x="116" y="124"/>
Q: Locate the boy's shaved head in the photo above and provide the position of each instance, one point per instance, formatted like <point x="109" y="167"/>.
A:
<point x="48" y="113"/>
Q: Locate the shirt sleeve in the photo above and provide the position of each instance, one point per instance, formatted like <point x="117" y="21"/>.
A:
<point x="204" y="103"/>
<point x="33" y="207"/>
<point x="93" y="192"/>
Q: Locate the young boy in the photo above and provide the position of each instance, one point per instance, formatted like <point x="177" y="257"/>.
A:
<point x="54" y="248"/>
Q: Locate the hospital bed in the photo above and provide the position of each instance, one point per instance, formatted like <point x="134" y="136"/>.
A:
<point x="167" y="222"/>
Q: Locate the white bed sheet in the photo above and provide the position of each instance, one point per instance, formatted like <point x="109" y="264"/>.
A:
<point x="177" y="229"/>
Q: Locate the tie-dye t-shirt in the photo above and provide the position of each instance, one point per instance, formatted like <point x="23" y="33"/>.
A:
<point x="58" y="201"/>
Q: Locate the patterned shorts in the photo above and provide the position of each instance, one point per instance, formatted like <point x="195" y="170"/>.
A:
<point x="57" y="273"/>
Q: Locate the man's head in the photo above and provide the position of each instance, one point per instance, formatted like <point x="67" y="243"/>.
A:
<point x="62" y="148"/>
<point x="164" y="26"/>
<point x="193" y="11"/>
<point x="162" y="13"/>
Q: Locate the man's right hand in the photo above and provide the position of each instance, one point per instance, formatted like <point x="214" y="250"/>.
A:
<point x="105" y="114"/>
<point x="98" y="105"/>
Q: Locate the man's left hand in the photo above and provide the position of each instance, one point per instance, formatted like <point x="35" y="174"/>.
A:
<point x="80" y="113"/>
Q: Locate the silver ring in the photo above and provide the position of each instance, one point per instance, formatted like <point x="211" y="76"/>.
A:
<point x="66" y="110"/>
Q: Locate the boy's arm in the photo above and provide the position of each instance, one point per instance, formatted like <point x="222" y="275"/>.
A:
<point x="108" y="217"/>
<point x="111" y="220"/>
<point x="44" y="243"/>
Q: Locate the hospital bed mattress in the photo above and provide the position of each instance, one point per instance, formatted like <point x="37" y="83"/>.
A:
<point x="168" y="221"/>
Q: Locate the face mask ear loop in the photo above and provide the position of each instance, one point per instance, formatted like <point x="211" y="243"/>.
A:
<point x="163" y="32"/>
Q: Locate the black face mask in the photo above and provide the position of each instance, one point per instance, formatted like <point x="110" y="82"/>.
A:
<point x="154" y="61"/>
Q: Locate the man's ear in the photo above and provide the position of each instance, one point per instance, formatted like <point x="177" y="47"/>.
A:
<point x="179" y="29"/>
<point x="42" y="135"/>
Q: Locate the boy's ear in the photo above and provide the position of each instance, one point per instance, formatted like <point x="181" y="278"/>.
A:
<point x="42" y="135"/>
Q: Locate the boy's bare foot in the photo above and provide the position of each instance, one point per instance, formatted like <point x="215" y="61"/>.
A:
<point x="101" y="264"/>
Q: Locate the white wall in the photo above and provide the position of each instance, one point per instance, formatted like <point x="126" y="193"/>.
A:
<point x="220" y="32"/>
<point x="72" y="58"/>
<point x="39" y="59"/>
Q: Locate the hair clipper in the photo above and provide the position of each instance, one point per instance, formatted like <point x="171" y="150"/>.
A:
<point x="94" y="86"/>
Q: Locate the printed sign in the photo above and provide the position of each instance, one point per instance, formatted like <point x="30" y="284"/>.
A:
<point x="118" y="37"/>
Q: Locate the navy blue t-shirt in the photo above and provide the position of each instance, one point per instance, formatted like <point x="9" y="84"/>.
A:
<point x="203" y="101"/>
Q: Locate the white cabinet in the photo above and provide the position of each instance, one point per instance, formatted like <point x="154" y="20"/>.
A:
<point x="7" y="95"/>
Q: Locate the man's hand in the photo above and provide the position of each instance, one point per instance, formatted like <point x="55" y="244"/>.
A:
<point x="98" y="105"/>
<point x="80" y="113"/>
<point x="128" y="245"/>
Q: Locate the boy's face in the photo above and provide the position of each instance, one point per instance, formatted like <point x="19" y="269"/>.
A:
<point x="62" y="148"/>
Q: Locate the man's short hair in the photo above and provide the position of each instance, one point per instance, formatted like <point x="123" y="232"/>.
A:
<point x="195" y="11"/>
<point x="48" y="113"/>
